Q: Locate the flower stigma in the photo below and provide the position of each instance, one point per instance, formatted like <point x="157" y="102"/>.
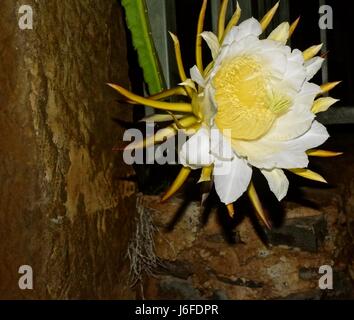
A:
<point x="247" y="104"/>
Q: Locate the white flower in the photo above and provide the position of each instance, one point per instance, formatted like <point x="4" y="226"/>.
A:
<point x="259" y="97"/>
<point x="252" y="107"/>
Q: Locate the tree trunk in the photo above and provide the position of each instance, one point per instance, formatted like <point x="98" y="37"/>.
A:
<point x="65" y="204"/>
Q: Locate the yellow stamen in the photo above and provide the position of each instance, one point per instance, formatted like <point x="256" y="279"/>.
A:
<point x="269" y="16"/>
<point x="329" y="86"/>
<point x="198" y="45"/>
<point x="323" y="153"/>
<point x="278" y="103"/>
<point x="246" y="105"/>
<point x="230" y="209"/>
<point x="179" y="107"/>
<point x="206" y="174"/>
<point x="252" y="193"/>
<point x="293" y="27"/>
<point x="222" y="17"/>
<point x="308" y="174"/>
<point x="233" y="21"/>
<point x="312" y="51"/>
<point x="323" y="104"/>
<point x="178" y="183"/>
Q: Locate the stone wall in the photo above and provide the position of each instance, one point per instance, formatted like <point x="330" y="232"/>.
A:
<point x="210" y="256"/>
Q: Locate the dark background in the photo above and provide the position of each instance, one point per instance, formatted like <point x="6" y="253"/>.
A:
<point x="339" y="55"/>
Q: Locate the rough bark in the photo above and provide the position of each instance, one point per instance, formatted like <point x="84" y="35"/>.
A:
<point x="65" y="203"/>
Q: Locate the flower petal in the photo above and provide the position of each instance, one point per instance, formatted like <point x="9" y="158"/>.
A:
<point x="296" y="56"/>
<point x="280" y="33"/>
<point x="323" y="104"/>
<point x="307" y="95"/>
<point x="197" y="76"/>
<point x="276" y="61"/>
<point x="208" y="104"/>
<point x="312" y="66"/>
<point x="195" y="152"/>
<point x="293" y="124"/>
<point x="242" y="46"/>
<point x="299" y="118"/>
<point x="266" y="153"/>
<point x="274" y="54"/>
<point x="312" y="51"/>
<point x="246" y="28"/>
<point x="295" y="74"/>
<point x="220" y="146"/>
<point x="278" y="182"/>
<point x="231" y="178"/>
<point x="213" y="43"/>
